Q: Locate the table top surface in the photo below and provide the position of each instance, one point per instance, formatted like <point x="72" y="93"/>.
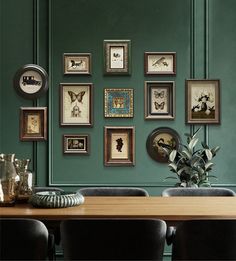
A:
<point x="166" y="208"/>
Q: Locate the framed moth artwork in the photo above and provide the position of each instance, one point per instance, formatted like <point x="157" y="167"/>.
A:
<point x="161" y="63"/>
<point x="202" y="101"/>
<point x="117" y="56"/>
<point x="76" y="106"/>
<point x="76" y="144"/>
<point x="119" y="146"/>
<point x="159" y="100"/>
<point x="77" y="63"/>
<point x="33" y="123"/>
<point x="118" y="103"/>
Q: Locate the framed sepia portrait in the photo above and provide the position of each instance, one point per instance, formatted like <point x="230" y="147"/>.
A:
<point x="160" y="138"/>
<point x="33" y="123"/>
<point x="77" y="63"/>
<point x="117" y="56"/>
<point x="119" y="146"/>
<point x="159" y="100"/>
<point x="76" y="106"/>
<point x="160" y="63"/>
<point x="202" y="101"/>
<point x="76" y="144"/>
<point x="118" y="103"/>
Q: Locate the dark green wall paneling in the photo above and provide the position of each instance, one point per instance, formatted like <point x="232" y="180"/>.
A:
<point x="199" y="31"/>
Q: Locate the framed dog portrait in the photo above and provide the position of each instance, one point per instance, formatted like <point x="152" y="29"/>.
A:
<point x="162" y="63"/>
<point x="77" y="63"/>
<point x="202" y="101"/>
<point x="76" y="144"/>
<point x="159" y="100"/>
<point x="76" y="106"/>
<point x="119" y="146"/>
<point x="33" y="123"/>
<point x="118" y="103"/>
<point x="117" y="56"/>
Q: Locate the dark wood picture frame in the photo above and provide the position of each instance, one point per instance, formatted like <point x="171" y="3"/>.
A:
<point x="159" y="100"/>
<point x="119" y="146"/>
<point x="202" y="101"/>
<point x="33" y="123"/>
<point x="76" y="104"/>
<point x="76" y="144"/>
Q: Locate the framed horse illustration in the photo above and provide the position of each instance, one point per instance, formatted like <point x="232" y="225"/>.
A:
<point x="77" y="63"/>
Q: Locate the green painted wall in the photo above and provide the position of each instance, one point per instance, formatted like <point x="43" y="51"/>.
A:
<point x="34" y="31"/>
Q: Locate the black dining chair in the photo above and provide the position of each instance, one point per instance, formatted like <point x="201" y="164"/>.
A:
<point x="24" y="239"/>
<point x="205" y="240"/>
<point x="113" y="239"/>
<point x="51" y="189"/>
<point x="113" y="191"/>
<point x="174" y="192"/>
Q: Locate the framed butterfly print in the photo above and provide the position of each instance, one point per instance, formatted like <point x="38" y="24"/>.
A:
<point x="159" y="100"/>
<point x="118" y="103"/>
<point x="76" y="106"/>
<point x="160" y="63"/>
<point x="117" y="56"/>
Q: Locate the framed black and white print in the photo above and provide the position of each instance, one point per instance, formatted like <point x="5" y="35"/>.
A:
<point x="161" y="63"/>
<point x="76" y="144"/>
<point x="77" y="63"/>
<point x="118" y="103"/>
<point x="76" y="106"/>
<point x="117" y="56"/>
<point x="159" y="100"/>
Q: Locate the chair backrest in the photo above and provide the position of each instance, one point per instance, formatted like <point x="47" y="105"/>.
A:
<point x="40" y="189"/>
<point x="113" y="191"/>
<point x="205" y="240"/>
<point x="113" y="239"/>
<point x="23" y="239"/>
<point x="173" y="192"/>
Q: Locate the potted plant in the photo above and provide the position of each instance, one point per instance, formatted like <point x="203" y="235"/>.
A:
<point x="191" y="164"/>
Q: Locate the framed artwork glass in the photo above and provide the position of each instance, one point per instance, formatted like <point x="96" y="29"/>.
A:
<point x="159" y="100"/>
<point x="76" y="144"/>
<point x="117" y="56"/>
<point x="160" y="63"/>
<point x="202" y="101"/>
<point x="76" y="106"/>
<point x="77" y="63"/>
<point x="159" y="138"/>
<point x="33" y="123"/>
<point x="118" y="103"/>
<point x="119" y="146"/>
<point x="31" y="81"/>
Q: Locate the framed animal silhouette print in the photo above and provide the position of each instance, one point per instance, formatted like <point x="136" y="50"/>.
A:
<point x="202" y="101"/>
<point x="77" y="63"/>
<point x="160" y="63"/>
<point x="119" y="146"/>
<point x="159" y="100"/>
<point x="76" y="106"/>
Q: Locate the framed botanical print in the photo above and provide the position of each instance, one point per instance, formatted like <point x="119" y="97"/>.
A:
<point x="202" y="101"/>
<point x="159" y="100"/>
<point x="76" y="106"/>
<point x="119" y="146"/>
<point x="33" y="123"/>
<point x="77" y="63"/>
<point x="162" y="63"/>
<point x="118" y="103"/>
<point x="117" y="56"/>
<point x="76" y="144"/>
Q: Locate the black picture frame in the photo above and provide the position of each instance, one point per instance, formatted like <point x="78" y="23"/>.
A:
<point x="31" y="81"/>
<point x="160" y="137"/>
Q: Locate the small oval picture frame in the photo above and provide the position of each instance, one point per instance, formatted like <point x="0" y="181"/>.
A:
<point x="31" y="81"/>
<point x="161" y="137"/>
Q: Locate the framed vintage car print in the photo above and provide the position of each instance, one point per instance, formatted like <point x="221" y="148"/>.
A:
<point x="31" y="81"/>
<point x="202" y="101"/>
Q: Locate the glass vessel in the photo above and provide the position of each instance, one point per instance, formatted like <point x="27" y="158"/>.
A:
<point x="25" y="187"/>
<point x="8" y="180"/>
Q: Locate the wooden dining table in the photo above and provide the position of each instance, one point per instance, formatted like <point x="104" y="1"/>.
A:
<point x="170" y="209"/>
